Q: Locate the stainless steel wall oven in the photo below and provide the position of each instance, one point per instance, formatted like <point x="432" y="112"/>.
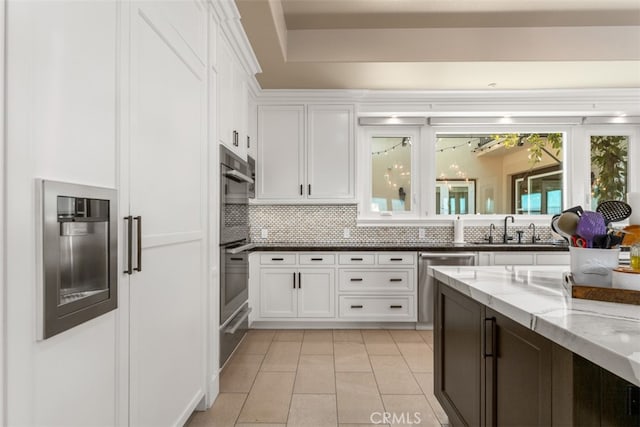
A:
<point x="79" y="254"/>
<point x="236" y="188"/>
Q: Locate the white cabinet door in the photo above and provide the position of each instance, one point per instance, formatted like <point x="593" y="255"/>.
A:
<point x="280" y="152"/>
<point x="330" y="152"/>
<point x="240" y="110"/>
<point x="513" y="258"/>
<point x="168" y="170"/>
<point x="316" y="292"/>
<point x="225" y="101"/>
<point x="278" y="292"/>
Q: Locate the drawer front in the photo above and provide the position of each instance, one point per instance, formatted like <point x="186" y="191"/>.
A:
<point x="277" y="259"/>
<point x="317" y="259"/>
<point x="552" y="258"/>
<point x="375" y="308"/>
<point x="377" y="280"/>
<point x="400" y="258"/>
<point x="357" y="259"/>
<point x="513" y="258"/>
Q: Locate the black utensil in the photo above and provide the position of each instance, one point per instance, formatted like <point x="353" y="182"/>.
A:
<point x="606" y="241"/>
<point x="614" y="210"/>
<point x="576" y="209"/>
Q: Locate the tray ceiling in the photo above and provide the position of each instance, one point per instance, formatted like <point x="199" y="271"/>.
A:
<point x="444" y="45"/>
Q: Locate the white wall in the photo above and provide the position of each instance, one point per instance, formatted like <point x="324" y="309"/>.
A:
<point x="61" y="124"/>
<point x="2" y="221"/>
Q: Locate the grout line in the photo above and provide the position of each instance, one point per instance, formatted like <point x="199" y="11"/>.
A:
<point x="295" y="377"/>
<point x="264" y="356"/>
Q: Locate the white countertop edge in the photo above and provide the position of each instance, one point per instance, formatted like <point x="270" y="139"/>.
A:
<point x="621" y="357"/>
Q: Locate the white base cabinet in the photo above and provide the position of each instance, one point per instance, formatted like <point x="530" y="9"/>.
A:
<point x="289" y="286"/>
<point x="523" y="258"/>
<point x="297" y="292"/>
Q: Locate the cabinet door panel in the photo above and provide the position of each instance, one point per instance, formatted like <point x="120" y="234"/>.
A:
<point x="330" y="157"/>
<point x="458" y="363"/>
<point x="522" y="375"/>
<point x="280" y="150"/>
<point x="278" y="298"/>
<point x="316" y="293"/>
<point x="166" y="298"/>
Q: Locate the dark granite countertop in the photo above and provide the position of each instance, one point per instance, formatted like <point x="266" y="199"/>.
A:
<point x="405" y="246"/>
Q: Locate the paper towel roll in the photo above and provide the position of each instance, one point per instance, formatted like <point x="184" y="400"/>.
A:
<point x="634" y="201"/>
<point x="458" y="230"/>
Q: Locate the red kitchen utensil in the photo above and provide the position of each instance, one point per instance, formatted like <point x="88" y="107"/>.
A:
<point x="591" y="224"/>
<point x="578" y="242"/>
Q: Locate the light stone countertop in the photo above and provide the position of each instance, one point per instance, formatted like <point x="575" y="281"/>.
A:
<point x="608" y="334"/>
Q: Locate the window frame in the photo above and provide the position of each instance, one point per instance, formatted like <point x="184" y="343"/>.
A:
<point x="576" y="168"/>
<point x="365" y="213"/>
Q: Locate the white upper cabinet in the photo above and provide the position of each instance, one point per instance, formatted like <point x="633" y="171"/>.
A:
<point x="280" y="152"/>
<point x="232" y="99"/>
<point x="330" y="152"/>
<point x="316" y="164"/>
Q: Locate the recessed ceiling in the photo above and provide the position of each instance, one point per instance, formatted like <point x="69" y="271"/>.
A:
<point x="443" y="44"/>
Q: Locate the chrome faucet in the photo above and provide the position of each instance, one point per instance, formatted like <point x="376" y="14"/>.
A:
<point x="490" y="238"/>
<point x="534" y="238"/>
<point x="505" y="236"/>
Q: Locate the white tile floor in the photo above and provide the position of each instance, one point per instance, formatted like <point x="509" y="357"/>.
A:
<point x="327" y="378"/>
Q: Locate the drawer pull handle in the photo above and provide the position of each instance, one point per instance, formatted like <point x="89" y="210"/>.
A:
<point x="356" y="279"/>
<point x="395" y="259"/>
<point x="356" y="259"/>
<point x="316" y="259"/>
<point x="356" y="306"/>
<point x="395" y="280"/>
<point x="277" y="259"/>
<point x="236" y="258"/>
<point x="395" y="306"/>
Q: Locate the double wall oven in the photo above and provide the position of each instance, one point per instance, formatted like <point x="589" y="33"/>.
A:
<point x="236" y="188"/>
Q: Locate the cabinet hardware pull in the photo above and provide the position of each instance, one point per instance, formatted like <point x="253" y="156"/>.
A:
<point x="356" y="259"/>
<point x="236" y="258"/>
<point x="356" y="306"/>
<point x="395" y="280"/>
<point x="356" y="279"/>
<point x="395" y="306"/>
<point x="633" y="400"/>
<point x="139" y="219"/>
<point x="301" y="189"/>
<point x="129" y="220"/>
<point x="248" y="141"/>
<point x="299" y="280"/>
<point x="309" y="190"/>
<point x="316" y="259"/>
<point x="294" y="280"/>
<point x="277" y="259"/>
<point x="489" y="349"/>
<point x="395" y="259"/>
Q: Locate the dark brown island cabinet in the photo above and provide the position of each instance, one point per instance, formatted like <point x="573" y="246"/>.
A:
<point x="492" y="371"/>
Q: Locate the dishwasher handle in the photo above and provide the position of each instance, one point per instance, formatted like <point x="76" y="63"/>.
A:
<point x="429" y="255"/>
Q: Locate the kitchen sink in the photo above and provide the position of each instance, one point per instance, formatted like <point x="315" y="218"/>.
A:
<point x="500" y="245"/>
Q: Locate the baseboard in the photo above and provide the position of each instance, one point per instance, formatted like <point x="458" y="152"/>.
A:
<point x="331" y="325"/>
<point x="213" y="389"/>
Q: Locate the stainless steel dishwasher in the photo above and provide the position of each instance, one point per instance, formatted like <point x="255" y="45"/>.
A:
<point x="426" y="282"/>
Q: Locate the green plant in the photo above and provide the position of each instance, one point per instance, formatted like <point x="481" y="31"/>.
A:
<point x="537" y="145"/>
<point x="609" y="167"/>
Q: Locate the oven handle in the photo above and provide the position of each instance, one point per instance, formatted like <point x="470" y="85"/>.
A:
<point x="241" y="248"/>
<point x="234" y="174"/>
<point x="233" y="327"/>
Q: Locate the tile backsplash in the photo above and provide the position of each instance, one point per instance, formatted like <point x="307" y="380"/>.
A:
<point x="326" y="224"/>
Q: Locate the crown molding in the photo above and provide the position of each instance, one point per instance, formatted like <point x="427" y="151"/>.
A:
<point x="228" y="16"/>
<point x="562" y="102"/>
